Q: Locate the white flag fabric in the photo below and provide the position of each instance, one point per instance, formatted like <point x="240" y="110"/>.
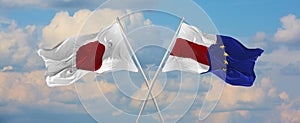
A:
<point x="189" y="53"/>
<point x="73" y="58"/>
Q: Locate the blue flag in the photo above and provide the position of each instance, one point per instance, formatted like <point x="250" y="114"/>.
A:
<point x="233" y="62"/>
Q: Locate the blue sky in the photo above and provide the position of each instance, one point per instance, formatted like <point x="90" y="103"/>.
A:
<point x="252" y="15"/>
<point x="273" y="25"/>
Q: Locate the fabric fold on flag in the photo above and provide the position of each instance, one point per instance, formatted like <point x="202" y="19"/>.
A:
<point x="224" y="56"/>
<point x="190" y="51"/>
<point x="76" y="56"/>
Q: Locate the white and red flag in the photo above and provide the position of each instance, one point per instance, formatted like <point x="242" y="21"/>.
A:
<point x="73" y="58"/>
<point x="190" y="51"/>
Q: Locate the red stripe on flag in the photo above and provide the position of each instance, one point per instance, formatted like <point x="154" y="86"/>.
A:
<point x="187" y="49"/>
<point x="89" y="56"/>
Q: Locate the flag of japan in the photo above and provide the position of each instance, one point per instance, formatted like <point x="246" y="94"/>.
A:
<point x="77" y="56"/>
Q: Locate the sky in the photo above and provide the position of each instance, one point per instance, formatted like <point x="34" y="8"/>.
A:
<point x="28" y="25"/>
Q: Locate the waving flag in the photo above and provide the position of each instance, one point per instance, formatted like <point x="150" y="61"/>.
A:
<point x="190" y="51"/>
<point x="195" y="51"/>
<point x="77" y="56"/>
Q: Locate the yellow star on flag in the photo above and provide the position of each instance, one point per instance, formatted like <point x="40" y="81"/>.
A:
<point x="225" y="62"/>
<point x="222" y="47"/>
<point x="226" y="54"/>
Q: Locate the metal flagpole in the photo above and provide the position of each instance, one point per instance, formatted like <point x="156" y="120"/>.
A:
<point x="158" y="70"/>
<point x="140" y="67"/>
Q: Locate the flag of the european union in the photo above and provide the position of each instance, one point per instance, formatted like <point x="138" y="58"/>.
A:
<point x="233" y="62"/>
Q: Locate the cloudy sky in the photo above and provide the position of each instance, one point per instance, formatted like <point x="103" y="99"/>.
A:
<point x="27" y="25"/>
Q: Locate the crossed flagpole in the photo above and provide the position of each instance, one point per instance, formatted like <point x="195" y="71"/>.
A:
<point x="142" y="71"/>
<point x="150" y="85"/>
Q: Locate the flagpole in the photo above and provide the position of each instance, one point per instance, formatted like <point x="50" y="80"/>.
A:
<point x="140" y="67"/>
<point x="158" y="70"/>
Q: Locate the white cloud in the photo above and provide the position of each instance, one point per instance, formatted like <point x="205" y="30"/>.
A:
<point x="290" y="30"/>
<point x="267" y="84"/>
<point x="14" y="41"/>
<point x="30" y="90"/>
<point x="284" y="96"/>
<point x="116" y="113"/>
<point x="256" y="96"/>
<point x="260" y="36"/>
<point x="63" y="25"/>
<point x="227" y="117"/>
<point x="84" y="21"/>
<point x="89" y="89"/>
<point x="143" y="91"/>
<point x="220" y="117"/>
<point x="233" y="97"/>
<point x="136" y="20"/>
<point x="7" y="68"/>
<point x="290" y="112"/>
<point x="241" y="102"/>
<point x="244" y="113"/>
<point x="290" y="116"/>
<point x="24" y="87"/>
<point x="282" y="56"/>
<point x="260" y="40"/>
<point x="244" y="104"/>
<point x="241" y="95"/>
<point x="18" y="45"/>
<point x="22" y="93"/>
